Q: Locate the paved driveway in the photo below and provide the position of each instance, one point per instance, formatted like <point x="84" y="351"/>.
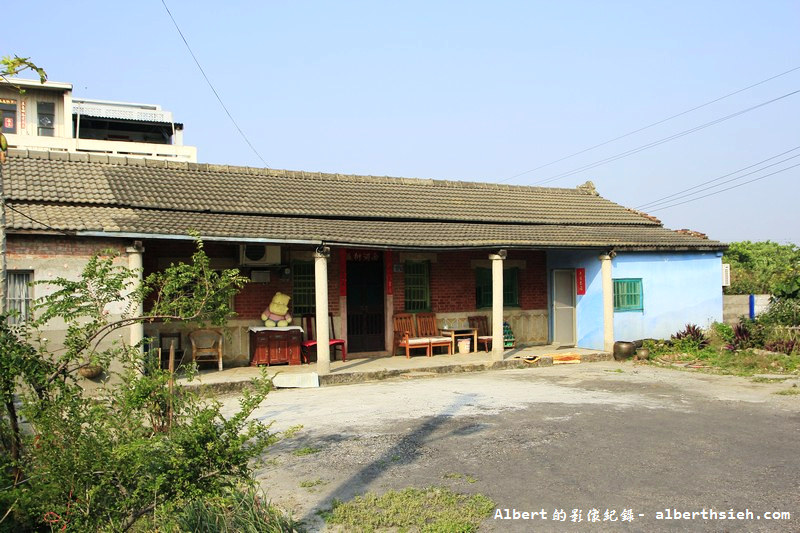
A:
<point x="573" y="438"/>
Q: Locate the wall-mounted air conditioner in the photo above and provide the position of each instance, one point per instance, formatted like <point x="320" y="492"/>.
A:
<point x="726" y="275"/>
<point x="259" y="255"/>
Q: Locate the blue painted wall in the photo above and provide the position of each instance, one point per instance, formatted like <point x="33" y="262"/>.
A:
<point x="677" y="288"/>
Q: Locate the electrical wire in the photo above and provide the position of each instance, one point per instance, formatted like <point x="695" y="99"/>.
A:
<point x="677" y="195"/>
<point x="663" y="140"/>
<point x="208" y="81"/>
<point x="48" y="226"/>
<point x="727" y="188"/>
<point x="570" y="156"/>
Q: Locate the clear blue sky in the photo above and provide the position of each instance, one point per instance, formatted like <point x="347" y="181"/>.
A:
<point x="477" y="91"/>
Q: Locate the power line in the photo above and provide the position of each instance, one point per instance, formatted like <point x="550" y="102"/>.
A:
<point x="662" y="141"/>
<point x="727" y="188"/>
<point x="570" y="156"/>
<point x="203" y="72"/>
<point x="666" y="199"/>
<point x="48" y="226"/>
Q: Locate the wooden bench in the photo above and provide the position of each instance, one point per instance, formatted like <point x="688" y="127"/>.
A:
<point x="405" y="335"/>
<point x="426" y="327"/>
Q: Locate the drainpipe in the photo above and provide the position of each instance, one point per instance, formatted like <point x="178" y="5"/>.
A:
<point x="321" y="300"/>
<point x="497" y="304"/>
<point x="608" y="301"/>
<point x="135" y="266"/>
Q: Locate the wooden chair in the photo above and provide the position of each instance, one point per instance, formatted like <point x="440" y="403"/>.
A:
<point x="481" y="323"/>
<point x="426" y="327"/>
<point x="206" y="346"/>
<point x="405" y="335"/>
<point x="310" y="326"/>
<point x="164" y="342"/>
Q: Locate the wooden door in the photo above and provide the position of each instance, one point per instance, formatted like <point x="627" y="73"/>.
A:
<point x="365" y="305"/>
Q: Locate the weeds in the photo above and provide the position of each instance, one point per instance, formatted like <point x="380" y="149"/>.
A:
<point x="308" y="450"/>
<point x="762" y="379"/>
<point x="312" y="483"/>
<point x="244" y="510"/>
<point x="433" y="509"/>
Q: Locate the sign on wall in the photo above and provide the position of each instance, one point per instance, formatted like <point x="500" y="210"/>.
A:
<point x="580" y="281"/>
<point x="363" y="256"/>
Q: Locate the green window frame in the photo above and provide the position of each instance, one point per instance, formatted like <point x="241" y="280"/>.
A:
<point x="628" y="295"/>
<point x="303" y="294"/>
<point x="483" y="287"/>
<point x="417" y="286"/>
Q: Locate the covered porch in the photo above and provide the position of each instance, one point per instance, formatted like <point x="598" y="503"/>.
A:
<point x="354" y="293"/>
<point x="386" y="367"/>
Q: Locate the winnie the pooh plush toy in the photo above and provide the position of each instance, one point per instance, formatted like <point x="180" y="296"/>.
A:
<point x="277" y="314"/>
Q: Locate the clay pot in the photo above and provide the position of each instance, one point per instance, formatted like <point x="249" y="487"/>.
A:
<point x="642" y="354"/>
<point x="623" y="350"/>
<point x="90" y="371"/>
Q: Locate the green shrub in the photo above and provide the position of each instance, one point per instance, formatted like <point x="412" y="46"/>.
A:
<point x="140" y="445"/>
<point x="723" y="331"/>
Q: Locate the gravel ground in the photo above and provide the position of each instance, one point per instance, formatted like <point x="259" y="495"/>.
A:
<point x="566" y="437"/>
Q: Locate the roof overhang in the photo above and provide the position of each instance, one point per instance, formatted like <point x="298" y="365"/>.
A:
<point x="36" y="84"/>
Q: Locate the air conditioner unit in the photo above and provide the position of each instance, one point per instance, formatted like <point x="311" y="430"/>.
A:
<point x="259" y="255"/>
<point x="726" y="275"/>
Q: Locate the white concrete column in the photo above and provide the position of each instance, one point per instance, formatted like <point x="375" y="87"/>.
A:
<point x="608" y="302"/>
<point x="135" y="266"/>
<point x="497" y="304"/>
<point x="321" y="293"/>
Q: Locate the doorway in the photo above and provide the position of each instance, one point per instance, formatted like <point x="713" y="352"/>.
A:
<point x="564" y="307"/>
<point x="366" y="324"/>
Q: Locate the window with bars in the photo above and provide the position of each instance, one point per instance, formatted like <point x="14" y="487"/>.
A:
<point x="46" y="112"/>
<point x="483" y="287"/>
<point x="628" y="294"/>
<point x="303" y="295"/>
<point x="418" y="286"/>
<point x="19" y="295"/>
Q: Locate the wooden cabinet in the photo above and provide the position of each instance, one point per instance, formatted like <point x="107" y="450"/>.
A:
<point x="269" y="346"/>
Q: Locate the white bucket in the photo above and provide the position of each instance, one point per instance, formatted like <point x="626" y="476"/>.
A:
<point x="463" y="346"/>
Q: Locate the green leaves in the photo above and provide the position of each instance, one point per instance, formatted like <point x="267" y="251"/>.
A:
<point x="761" y="267"/>
<point x="137" y="446"/>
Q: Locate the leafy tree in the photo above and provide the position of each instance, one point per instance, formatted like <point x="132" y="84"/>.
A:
<point x="761" y="267"/>
<point x="138" y="449"/>
<point x="11" y="66"/>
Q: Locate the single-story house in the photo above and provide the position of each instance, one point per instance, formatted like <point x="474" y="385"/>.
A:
<point x="562" y="266"/>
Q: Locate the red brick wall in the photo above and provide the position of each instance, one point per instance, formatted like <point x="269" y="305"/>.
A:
<point x="532" y="280"/>
<point x="55" y="245"/>
<point x="453" y="281"/>
<point x="254" y="298"/>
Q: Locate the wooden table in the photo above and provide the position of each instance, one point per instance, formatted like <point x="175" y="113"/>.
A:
<point x="454" y="333"/>
<point x="275" y="345"/>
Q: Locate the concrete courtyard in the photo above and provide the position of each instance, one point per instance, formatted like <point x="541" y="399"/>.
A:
<point x="606" y="438"/>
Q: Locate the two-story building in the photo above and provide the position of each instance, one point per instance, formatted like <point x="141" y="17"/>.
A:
<point x="37" y="116"/>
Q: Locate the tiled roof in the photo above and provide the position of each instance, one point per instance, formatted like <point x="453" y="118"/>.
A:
<point x="127" y="195"/>
<point x="423" y="234"/>
<point x="197" y="187"/>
